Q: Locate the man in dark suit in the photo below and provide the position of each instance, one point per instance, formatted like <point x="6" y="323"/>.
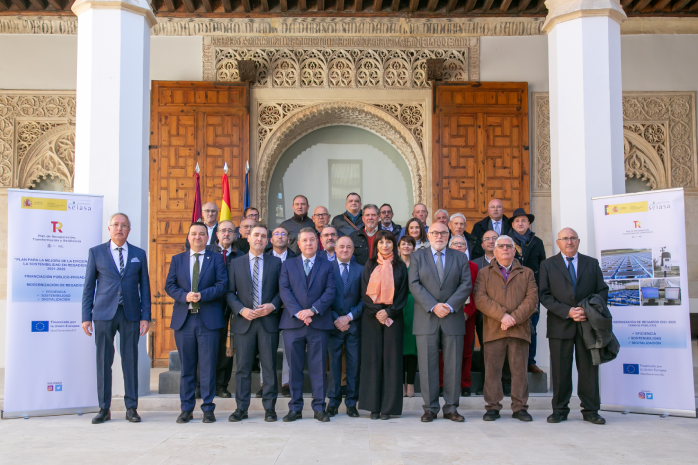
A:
<point x="224" y="366"/>
<point x="116" y="297"/>
<point x="307" y="288"/>
<point x="346" y="313"/>
<point x="495" y="221"/>
<point x="386" y="220"/>
<point x="566" y="279"/>
<point x="440" y="283"/>
<point x="253" y="294"/>
<point x="197" y="280"/>
<point x="210" y="219"/>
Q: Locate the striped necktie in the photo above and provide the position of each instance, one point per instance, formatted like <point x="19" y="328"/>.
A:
<point x="345" y="276"/>
<point x="121" y="272"/>
<point x="255" y="283"/>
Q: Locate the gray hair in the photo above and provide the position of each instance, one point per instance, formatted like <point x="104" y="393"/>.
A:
<point x="120" y="214"/>
<point x="457" y="215"/>
<point x="369" y="206"/>
<point x="326" y="227"/>
<point x="505" y="237"/>
<point x="458" y="237"/>
<point x="440" y="211"/>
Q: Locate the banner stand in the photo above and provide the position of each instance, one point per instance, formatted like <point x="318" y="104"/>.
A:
<point x="641" y="247"/>
<point x="50" y="362"/>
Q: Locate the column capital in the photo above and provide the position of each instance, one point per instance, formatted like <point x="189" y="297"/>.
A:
<point x="565" y="10"/>
<point x="140" y="7"/>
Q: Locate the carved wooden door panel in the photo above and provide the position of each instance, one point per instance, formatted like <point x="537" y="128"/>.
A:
<point x="190" y="122"/>
<point x="480" y="148"/>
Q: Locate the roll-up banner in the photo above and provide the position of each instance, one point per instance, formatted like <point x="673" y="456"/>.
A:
<point x="641" y="245"/>
<point x="50" y="362"/>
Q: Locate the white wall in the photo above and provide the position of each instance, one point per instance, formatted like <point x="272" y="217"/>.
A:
<point x="176" y="58"/>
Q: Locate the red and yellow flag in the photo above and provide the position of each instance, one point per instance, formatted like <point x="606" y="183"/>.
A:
<point x="225" y="204"/>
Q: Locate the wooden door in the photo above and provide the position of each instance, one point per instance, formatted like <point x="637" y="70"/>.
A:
<point x="480" y="148"/>
<point x="190" y="122"/>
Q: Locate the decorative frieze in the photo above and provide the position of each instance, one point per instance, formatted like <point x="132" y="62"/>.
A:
<point x="659" y="131"/>
<point x="37" y="137"/>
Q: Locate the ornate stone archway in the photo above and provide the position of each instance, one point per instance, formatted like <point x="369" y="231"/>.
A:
<point x="311" y="117"/>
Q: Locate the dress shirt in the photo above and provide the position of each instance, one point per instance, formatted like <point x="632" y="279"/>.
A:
<point x="331" y="258"/>
<point x="115" y="253"/>
<point x="312" y="262"/>
<point x="387" y="228"/>
<point x="488" y="260"/>
<point x="282" y="256"/>
<point x="191" y="267"/>
<point x="210" y="234"/>
<point x="341" y="265"/>
<point x="443" y="259"/>
<point x="575" y="262"/>
<point x="260" y="268"/>
<point x="495" y="224"/>
<point x="506" y="269"/>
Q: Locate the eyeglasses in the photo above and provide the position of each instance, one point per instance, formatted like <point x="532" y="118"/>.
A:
<point x="226" y="231"/>
<point x="505" y="246"/>
<point x="210" y="211"/>
<point x="329" y="235"/>
<point x="119" y="226"/>
<point x="458" y="244"/>
<point x="439" y="233"/>
<point x="247" y="226"/>
<point x="279" y="234"/>
<point x="386" y="212"/>
<point x="568" y="239"/>
<point x="252" y="216"/>
<point x="489" y="239"/>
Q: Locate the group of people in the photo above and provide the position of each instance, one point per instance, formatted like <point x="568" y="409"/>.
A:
<point x="374" y="301"/>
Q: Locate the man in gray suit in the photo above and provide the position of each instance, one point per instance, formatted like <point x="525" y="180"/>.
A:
<point x="253" y="294"/>
<point x="440" y="284"/>
<point x="116" y="297"/>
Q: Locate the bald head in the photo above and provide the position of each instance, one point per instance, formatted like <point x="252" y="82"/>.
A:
<point x="495" y="209"/>
<point x="246" y="227"/>
<point x="568" y="241"/>
<point x="210" y="212"/>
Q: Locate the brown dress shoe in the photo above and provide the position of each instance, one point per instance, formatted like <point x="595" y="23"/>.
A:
<point x="532" y="368"/>
<point x="428" y="416"/>
<point x="454" y="416"/>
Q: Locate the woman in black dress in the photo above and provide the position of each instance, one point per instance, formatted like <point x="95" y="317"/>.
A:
<point x="384" y="290"/>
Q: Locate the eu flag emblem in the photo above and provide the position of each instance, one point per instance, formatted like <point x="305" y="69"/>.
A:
<point x="631" y="369"/>
<point x="39" y="326"/>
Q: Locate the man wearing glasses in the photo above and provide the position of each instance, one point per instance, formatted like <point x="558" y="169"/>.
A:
<point x="320" y="218"/>
<point x="566" y="279"/>
<point x="495" y="221"/>
<point x="506" y="293"/>
<point x="328" y="239"/>
<point x="386" y="220"/>
<point x="210" y="219"/>
<point x="440" y="282"/>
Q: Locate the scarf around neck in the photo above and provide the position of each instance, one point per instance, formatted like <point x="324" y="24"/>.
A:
<point x="381" y="285"/>
<point x="524" y="239"/>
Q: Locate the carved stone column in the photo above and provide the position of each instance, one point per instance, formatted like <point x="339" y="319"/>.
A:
<point x="586" y="117"/>
<point x="112" y="121"/>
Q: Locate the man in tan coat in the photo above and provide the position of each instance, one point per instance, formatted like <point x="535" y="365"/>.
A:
<point x="506" y="294"/>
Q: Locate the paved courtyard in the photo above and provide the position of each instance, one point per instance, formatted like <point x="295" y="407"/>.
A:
<point x="626" y="439"/>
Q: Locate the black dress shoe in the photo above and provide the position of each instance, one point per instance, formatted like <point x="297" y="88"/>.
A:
<point x="507" y="389"/>
<point x="293" y="416"/>
<point x="491" y="415"/>
<point x="132" y="415"/>
<point x="209" y="417"/>
<point x="322" y="416"/>
<point x="223" y="393"/>
<point x="385" y="416"/>
<point x="332" y="411"/>
<point x="428" y="416"/>
<point x="454" y="416"/>
<point x="103" y="415"/>
<point x="285" y="391"/>
<point x="522" y="415"/>
<point x="375" y="416"/>
<point x="197" y="392"/>
<point x="465" y="392"/>
<point x="259" y="393"/>
<point x="185" y="417"/>
<point x="478" y="392"/>
<point x="557" y="417"/>
<point x="270" y="415"/>
<point x="352" y="412"/>
<point x="594" y="418"/>
<point x="238" y="415"/>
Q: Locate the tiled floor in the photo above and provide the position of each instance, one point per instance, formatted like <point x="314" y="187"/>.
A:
<point x="631" y="439"/>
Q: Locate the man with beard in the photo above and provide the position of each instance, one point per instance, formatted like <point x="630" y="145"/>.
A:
<point x="328" y="239"/>
<point x="298" y="221"/>
<point x="363" y="238"/>
<point x="350" y="220"/>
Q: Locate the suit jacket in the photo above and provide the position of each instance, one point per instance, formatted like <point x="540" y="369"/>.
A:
<point x="212" y="240"/>
<point x="104" y="284"/>
<point x="479" y="230"/>
<point x="298" y="293"/>
<point x="396" y="228"/>
<point x="240" y="292"/>
<point x="428" y="291"/>
<point x="213" y="284"/>
<point x="360" y="241"/>
<point x="533" y="256"/>
<point x="270" y="251"/>
<point x="349" y="301"/>
<point x="234" y="253"/>
<point x="556" y="291"/>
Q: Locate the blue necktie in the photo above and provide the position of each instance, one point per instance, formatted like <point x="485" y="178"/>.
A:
<point x="121" y="271"/>
<point x="573" y="274"/>
<point x="306" y="266"/>
<point x="497" y="228"/>
<point x="345" y="276"/>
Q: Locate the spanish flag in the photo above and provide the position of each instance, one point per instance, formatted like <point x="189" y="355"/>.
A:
<point x="225" y="204"/>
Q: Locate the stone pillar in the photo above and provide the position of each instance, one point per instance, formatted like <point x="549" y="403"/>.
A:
<point x="586" y="117"/>
<point x="113" y="108"/>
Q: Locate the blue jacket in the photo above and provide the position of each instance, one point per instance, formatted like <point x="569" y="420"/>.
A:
<point x="213" y="284"/>
<point x="297" y="294"/>
<point x="104" y="284"/>
<point x="350" y="301"/>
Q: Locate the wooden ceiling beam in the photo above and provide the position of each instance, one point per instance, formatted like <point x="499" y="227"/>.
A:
<point x="20" y="4"/>
<point x="207" y="6"/>
<point x="395" y="6"/>
<point x="504" y="6"/>
<point x="486" y="7"/>
<point x="414" y="5"/>
<point x="4" y="5"/>
<point x="57" y="4"/>
<point x="451" y="5"/>
<point x="540" y="6"/>
<point x="246" y="6"/>
<point x="39" y="4"/>
<point x="661" y="5"/>
<point x="283" y="4"/>
<point x="523" y="4"/>
<point x="265" y="5"/>
<point x="694" y="7"/>
<point x="625" y="3"/>
<point x="431" y="5"/>
<point x="377" y="5"/>
<point x="641" y="4"/>
<point x="189" y="6"/>
<point x="469" y="5"/>
<point x="170" y="5"/>
<point x="303" y="5"/>
<point x="680" y="5"/>
<point x="320" y="5"/>
<point x="358" y="6"/>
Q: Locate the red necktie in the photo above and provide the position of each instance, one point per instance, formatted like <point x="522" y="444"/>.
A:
<point x="225" y="256"/>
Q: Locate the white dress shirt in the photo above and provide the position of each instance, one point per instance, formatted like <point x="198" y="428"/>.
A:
<point x="115" y="254"/>
<point x="260" y="267"/>
<point x="341" y="266"/>
<point x="575" y="262"/>
<point x="436" y="262"/>
<point x="191" y="267"/>
<point x="282" y="256"/>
